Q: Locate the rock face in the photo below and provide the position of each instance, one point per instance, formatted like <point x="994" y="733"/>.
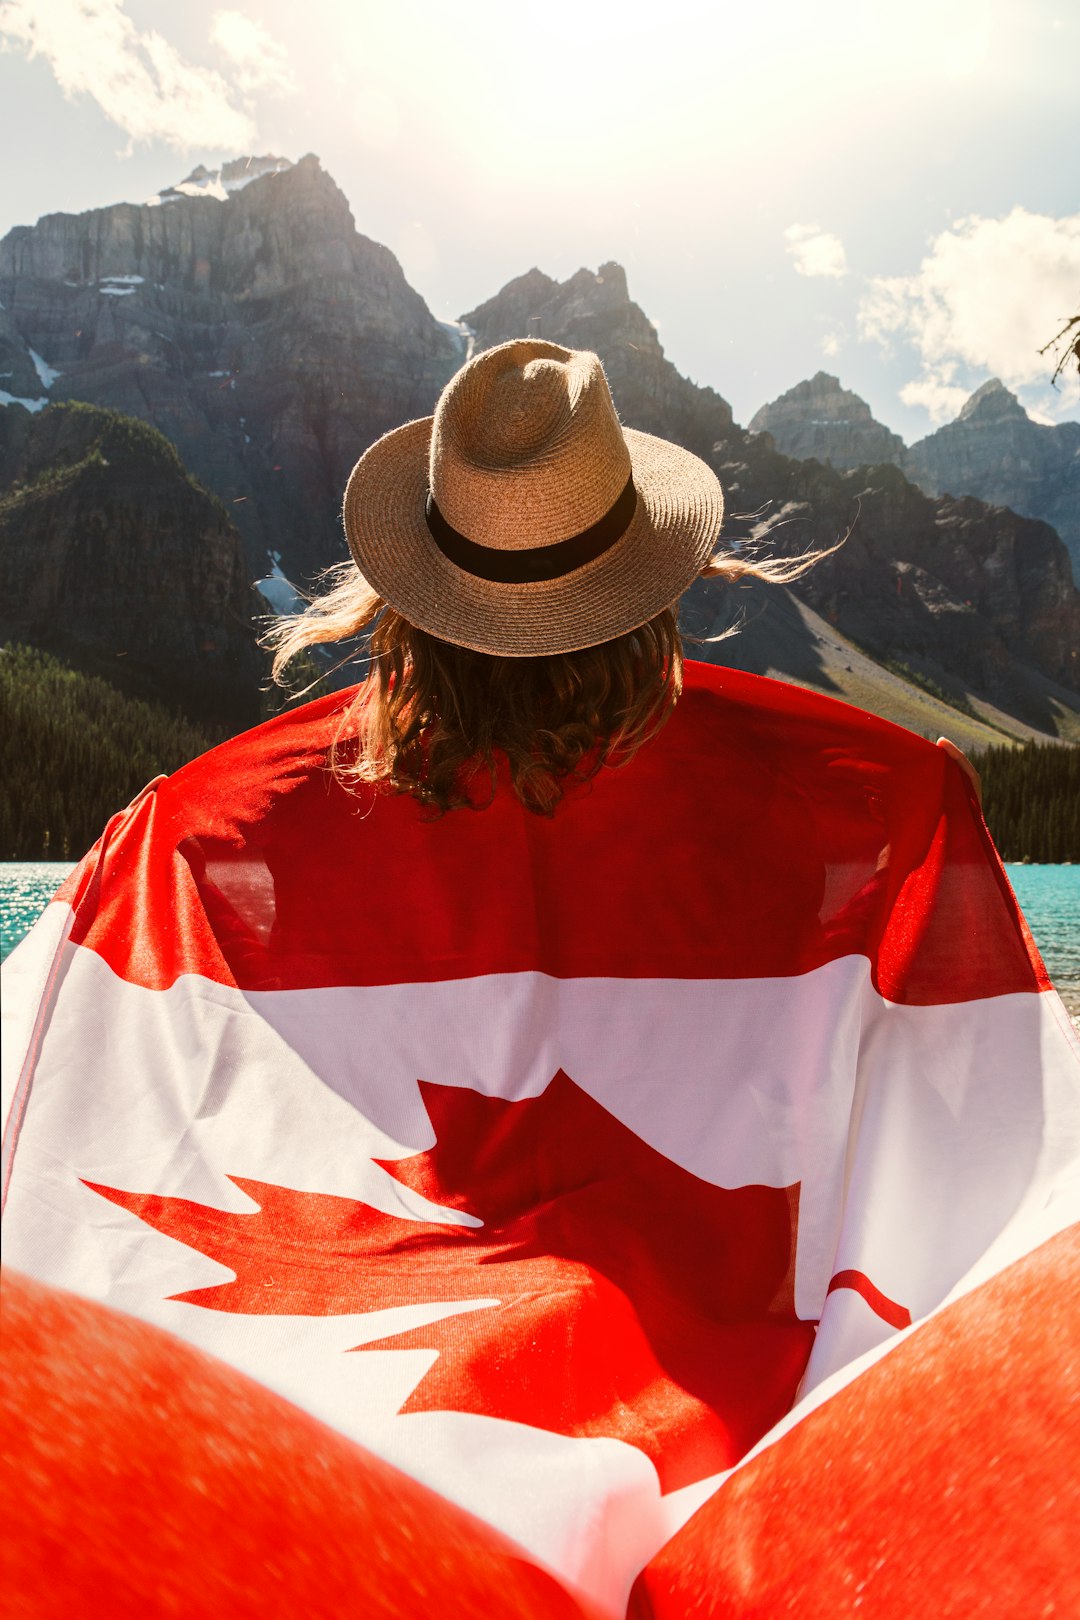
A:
<point x="995" y="451"/>
<point x="952" y="587"/>
<point x="113" y="557"/>
<point x="250" y="322"/>
<point x="271" y="343"/>
<point x="595" y="311"/>
<point x="818" y="419"/>
<point x="20" y="378"/>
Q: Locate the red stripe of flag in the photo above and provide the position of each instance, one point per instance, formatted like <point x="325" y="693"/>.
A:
<point x="764" y="833"/>
<point x="897" y="1316"/>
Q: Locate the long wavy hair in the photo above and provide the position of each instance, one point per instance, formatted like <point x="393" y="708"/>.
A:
<point x="432" y="719"/>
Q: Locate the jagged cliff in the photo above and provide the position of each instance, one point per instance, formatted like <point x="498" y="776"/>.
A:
<point x="271" y="342"/>
<point x="953" y="588"/>
<point x="977" y="599"/>
<point x="593" y="310"/>
<point x="995" y="451"/>
<point x="251" y="323"/>
<point x="818" y="419"/>
<point x="112" y="556"/>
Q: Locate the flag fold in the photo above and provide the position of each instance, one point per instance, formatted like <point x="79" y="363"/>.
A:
<point x="608" y="1177"/>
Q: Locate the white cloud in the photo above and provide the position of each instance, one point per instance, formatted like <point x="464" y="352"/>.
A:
<point x="260" y="62"/>
<point x="816" y="252"/>
<point x="987" y="296"/>
<point x="138" y="79"/>
<point x="942" y="399"/>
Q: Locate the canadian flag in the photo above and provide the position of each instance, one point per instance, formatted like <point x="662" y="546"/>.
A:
<point x="664" y="1207"/>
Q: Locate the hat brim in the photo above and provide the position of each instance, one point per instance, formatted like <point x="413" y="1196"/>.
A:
<point x="670" y="538"/>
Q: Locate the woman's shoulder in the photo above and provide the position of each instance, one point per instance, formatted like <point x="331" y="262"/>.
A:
<point x="237" y="783"/>
<point x="726" y="701"/>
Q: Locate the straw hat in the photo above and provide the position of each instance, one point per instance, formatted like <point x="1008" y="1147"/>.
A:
<point x="522" y="518"/>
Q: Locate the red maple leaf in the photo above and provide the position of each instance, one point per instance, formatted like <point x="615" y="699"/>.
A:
<point x="637" y="1301"/>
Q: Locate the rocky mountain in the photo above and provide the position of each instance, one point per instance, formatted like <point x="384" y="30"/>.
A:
<point x="26" y="375"/>
<point x="978" y="602"/>
<point x="818" y="419"/>
<point x="243" y="315"/>
<point x="995" y="451"/>
<point x="249" y="321"/>
<point x="595" y="311"/>
<point x="113" y="557"/>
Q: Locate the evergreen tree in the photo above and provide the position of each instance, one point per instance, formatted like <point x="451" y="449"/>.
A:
<point x="73" y="751"/>
<point x="1031" y="799"/>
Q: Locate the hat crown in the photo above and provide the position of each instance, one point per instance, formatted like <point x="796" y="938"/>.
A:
<point x="526" y="448"/>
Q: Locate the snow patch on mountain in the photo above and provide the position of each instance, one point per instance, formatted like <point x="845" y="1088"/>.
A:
<point x="462" y="336"/>
<point x="47" y="373"/>
<point x="27" y="404"/>
<point x="277" y="590"/>
<point x="220" y="184"/>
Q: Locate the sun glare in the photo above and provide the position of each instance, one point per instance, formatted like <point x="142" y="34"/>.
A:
<point x="569" y="95"/>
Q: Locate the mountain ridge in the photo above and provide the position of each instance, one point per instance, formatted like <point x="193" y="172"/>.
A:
<point x="993" y="450"/>
<point x="263" y="334"/>
<point x="819" y="419"/>
<point x="272" y="342"/>
<point x="962" y="589"/>
<point x="118" y="561"/>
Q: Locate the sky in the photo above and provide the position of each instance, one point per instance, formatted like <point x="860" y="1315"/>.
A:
<point x="890" y="193"/>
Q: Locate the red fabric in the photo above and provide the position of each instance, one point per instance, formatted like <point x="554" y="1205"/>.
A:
<point x="143" y="1479"/>
<point x="943" y="1481"/>
<point x="852" y="836"/>
<point x="634" y="1300"/>
<point x="765" y="833"/>
<point x="897" y="1316"/>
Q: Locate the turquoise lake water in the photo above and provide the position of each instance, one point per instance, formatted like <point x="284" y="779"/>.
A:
<point x="1049" y="896"/>
<point x="26" y="887"/>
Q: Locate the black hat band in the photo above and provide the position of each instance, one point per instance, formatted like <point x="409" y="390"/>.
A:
<point x="528" y="565"/>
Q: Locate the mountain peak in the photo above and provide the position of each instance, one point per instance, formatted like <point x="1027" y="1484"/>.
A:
<point x="592" y="309"/>
<point x="995" y="451"/>
<point x="613" y="277"/>
<point x="223" y="182"/>
<point x="990" y="402"/>
<point x="821" y="419"/>
<point x="534" y="305"/>
<point x="823" y="393"/>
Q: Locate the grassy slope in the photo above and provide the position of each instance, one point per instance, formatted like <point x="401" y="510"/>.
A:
<point x="789" y="641"/>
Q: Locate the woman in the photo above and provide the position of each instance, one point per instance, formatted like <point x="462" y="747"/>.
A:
<point x="611" y="1053"/>
<point x="529" y="554"/>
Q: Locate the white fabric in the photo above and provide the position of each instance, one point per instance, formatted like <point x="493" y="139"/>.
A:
<point x="912" y="1170"/>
